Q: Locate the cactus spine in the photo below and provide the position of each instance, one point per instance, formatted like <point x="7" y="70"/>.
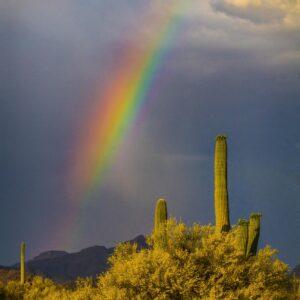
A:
<point x="242" y="236"/>
<point x="253" y="234"/>
<point x="221" y="193"/>
<point x="22" y="263"/>
<point x="161" y="214"/>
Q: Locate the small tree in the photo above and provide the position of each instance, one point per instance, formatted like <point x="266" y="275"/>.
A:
<point x="195" y="263"/>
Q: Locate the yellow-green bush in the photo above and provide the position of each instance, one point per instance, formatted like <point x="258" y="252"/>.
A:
<point x="194" y="263"/>
<point x="39" y="288"/>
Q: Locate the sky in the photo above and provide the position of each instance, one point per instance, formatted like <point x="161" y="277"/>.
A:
<point x="231" y="67"/>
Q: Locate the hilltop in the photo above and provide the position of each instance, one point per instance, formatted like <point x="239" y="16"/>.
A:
<point x="62" y="266"/>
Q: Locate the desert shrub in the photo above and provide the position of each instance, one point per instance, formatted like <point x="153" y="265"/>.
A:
<point x="42" y="288"/>
<point x="39" y="288"/>
<point x="193" y="263"/>
<point x="181" y="262"/>
<point x="34" y="289"/>
<point x="84" y="290"/>
<point x="12" y="290"/>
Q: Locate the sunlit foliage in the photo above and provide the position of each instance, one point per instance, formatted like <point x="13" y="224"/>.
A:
<point x="194" y="263"/>
<point x="39" y="288"/>
<point x="181" y="262"/>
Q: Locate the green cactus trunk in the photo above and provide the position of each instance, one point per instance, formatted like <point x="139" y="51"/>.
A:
<point x="253" y="234"/>
<point x="221" y="193"/>
<point x="161" y="214"/>
<point x="22" y="263"/>
<point x="242" y="236"/>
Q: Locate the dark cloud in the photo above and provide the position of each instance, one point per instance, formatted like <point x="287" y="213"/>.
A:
<point x="219" y="76"/>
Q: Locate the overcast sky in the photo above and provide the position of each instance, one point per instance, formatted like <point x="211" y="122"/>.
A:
<point x="232" y="67"/>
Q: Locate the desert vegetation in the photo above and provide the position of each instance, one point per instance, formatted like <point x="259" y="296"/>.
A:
<point x="180" y="262"/>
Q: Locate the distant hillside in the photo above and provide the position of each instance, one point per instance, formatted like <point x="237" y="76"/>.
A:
<point x="50" y="255"/>
<point x="62" y="266"/>
<point x="296" y="270"/>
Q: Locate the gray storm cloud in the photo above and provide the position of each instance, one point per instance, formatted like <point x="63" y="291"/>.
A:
<point x="222" y="73"/>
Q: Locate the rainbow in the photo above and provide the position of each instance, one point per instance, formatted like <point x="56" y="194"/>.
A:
<point x="121" y="101"/>
<point x="117" y="107"/>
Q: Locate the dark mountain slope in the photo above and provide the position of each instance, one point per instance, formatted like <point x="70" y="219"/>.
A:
<point x="62" y="266"/>
<point x="296" y="271"/>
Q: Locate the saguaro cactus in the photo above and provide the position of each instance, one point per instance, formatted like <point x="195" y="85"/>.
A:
<point x="253" y="234"/>
<point x="242" y="236"/>
<point x="22" y="263"/>
<point x="161" y="213"/>
<point x="221" y="193"/>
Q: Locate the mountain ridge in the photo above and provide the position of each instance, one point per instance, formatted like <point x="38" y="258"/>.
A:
<point x="62" y="266"/>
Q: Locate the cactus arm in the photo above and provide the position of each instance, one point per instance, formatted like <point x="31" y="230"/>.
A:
<point x="22" y="263"/>
<point x="221" y="193"/>
<point x="242" y="236"/>
<point x="161" y="214"/>
<point x="253" y="234"/>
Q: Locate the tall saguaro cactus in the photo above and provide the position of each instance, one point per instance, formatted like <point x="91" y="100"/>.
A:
<point x="253" y="234"/>
<point x="221" y="193"/>
<point x="161" y="213"/>
<point x="242" y="236"/>
<point x="22" y="263"/>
